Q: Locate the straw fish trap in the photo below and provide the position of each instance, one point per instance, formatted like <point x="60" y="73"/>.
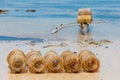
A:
<point x="54" y="62"/>
<point x="72" y="63"/>
<point x="90" y="63"/>
<point x="35" y="62"/>
<point x="84" y="16"/>
<point x="16" y="61"/>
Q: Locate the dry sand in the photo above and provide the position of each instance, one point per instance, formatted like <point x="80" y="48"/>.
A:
<point x="108" y="54"/>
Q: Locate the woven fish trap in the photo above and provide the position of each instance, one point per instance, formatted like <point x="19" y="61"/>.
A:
<point x="16" y="61"/>
<point x="54" y="62"/>
<point x="90" y="62"/>
<point x="72" y="63"/>
<point x="35" y="62"/>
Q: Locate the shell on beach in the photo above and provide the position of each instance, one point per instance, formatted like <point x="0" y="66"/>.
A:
<point x="90" y="62"/>
<point x="17" y="61"/>
<point x="72" y="63"/>
<point x="54" y="62"/>
<point x="35" y="62"/>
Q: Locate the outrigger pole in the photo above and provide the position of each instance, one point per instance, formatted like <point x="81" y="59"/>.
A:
<point x="83" y="20"/>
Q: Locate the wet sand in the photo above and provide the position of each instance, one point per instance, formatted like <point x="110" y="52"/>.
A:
<point x="108" y="54"/>
<point x="55" y="76"/>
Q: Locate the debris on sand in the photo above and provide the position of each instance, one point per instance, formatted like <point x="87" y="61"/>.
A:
<point x="50" y="45"/>
<point x="56" y="45"/>
<point x="101" y="42"/>
<point x="107" y="47"/>
<point x="63" y="44"/>
<point x="94" y="43"/>
<point x="105" y="41"/>
<point x="32" y="43"/>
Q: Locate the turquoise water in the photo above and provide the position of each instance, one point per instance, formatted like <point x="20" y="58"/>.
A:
<point x="51" y="13"/>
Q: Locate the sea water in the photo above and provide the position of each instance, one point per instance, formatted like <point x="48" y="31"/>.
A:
<point x="17" y="23"/>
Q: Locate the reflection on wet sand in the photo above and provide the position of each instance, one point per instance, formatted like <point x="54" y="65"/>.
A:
<point x="54" y="76"/>
<point x="86" y="36"/>
<point x="84" y="39"/>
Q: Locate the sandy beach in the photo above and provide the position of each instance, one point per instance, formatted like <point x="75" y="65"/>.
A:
<point x="27" y="25"/>
<point x="108" y="54"/>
